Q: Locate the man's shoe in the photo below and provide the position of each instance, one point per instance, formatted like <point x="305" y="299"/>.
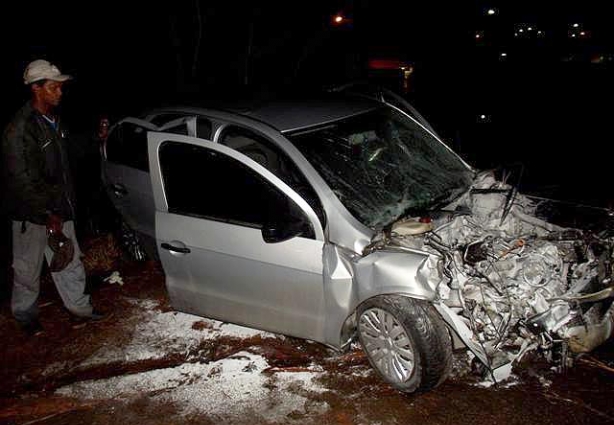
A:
<point x="32" y="327"/>
<point x="94" y="316"/>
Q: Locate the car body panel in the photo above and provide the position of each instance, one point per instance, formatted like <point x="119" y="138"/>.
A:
<point x="129" y="188"/>
<point x="302" y="287"/>
<point x="231" y="273"/>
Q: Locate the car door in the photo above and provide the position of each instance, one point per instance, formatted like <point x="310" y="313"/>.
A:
<point x="214" y="207"/>
<point x="126" y="169"/>
<point x="126" y="173"/>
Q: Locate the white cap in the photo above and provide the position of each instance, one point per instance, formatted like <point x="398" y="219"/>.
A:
<point x="41" y="69"/>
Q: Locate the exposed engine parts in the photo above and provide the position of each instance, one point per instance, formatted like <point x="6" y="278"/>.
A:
<point x="509" y="282"/>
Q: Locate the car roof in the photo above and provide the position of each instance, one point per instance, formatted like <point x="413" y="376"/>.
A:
<point x="288" y="115"/>
<point x="285" y="114"/>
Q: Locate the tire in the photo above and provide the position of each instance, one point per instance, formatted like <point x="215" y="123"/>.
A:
<point x="131" y="243"/>
<point x="406" y="342"/>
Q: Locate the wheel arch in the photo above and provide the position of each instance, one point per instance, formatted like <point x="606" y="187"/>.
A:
<point x="429" y="339"/>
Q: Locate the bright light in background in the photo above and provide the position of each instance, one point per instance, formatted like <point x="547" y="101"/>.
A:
<point x="491" y="12"/>
<point x="577" y="30"/>
<point x="527" y="30"/>
<point x="503" y="55"/>
<point x="340" y="19"/>
<point x="482" y="117"/>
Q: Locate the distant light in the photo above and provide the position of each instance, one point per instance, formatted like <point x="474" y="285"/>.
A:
<point x="482" y="117"/>
<point x="539" y="32"/>
<point x="503" y="55"/>
<point x="478" y="35"/>
<point x="530" y="28"/>
<point x="491" y="12"/>
<point x="573" y="36"/>
<point x="402" y="68"/>
<point x="338" y="19"/>
<point x="515" y="34"/>
<point x="576" y="25"/>
<point x="583" y="33"/>
<point x="520" y="30"/>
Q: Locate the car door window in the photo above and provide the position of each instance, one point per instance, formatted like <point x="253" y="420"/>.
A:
<point x="204" y="183"/>
<point x="264" y="152"/>
<point x="127" y="145"/>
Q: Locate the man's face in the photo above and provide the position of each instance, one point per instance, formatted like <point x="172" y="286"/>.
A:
<point x="51" y="92"/>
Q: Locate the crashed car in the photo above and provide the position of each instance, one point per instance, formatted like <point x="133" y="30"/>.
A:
<point x="343" y="217"/>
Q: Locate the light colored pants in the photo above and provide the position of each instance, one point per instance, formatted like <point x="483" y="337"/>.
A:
<point x="29" y="249"/>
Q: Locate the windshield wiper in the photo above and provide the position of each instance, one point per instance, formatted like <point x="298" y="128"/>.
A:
<point x="432" y="205"/>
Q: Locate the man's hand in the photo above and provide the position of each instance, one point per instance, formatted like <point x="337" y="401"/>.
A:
<point x="54" y="224"/>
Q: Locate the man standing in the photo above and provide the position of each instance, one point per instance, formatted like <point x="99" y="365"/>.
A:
<point x="40" y="201"/>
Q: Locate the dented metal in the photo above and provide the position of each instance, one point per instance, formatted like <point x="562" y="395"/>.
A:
<point x="507" y="281"/>
<point x="386" y="210"/>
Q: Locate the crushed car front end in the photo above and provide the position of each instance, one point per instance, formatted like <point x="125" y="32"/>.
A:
<point x="508" y="281"/>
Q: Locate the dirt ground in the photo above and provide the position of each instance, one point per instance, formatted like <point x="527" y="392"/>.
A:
<point x="148" y="364"/>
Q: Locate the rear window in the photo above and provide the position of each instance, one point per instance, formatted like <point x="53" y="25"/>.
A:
<point x="127" y="145"/>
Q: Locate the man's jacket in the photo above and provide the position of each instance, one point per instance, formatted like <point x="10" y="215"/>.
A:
<point x="37" y="176"/>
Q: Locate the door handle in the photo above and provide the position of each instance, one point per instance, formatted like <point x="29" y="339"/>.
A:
<point x="119" y="189"/>
<point x="172" y="248"/>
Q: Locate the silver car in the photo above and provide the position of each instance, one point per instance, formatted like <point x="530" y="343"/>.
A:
<point x="345" y="215"/>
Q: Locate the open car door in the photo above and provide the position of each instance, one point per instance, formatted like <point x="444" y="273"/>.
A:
<point x="237" y="244"/>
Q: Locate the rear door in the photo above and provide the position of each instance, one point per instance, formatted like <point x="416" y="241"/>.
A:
<point x="126" y="173"/>
<point x="126" y="167"/>
<point x="212" y="204"/>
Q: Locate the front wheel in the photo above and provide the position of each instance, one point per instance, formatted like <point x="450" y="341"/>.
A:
<point x="406" y="342"/>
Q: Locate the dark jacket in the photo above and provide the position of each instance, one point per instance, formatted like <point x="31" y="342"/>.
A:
<point x="36" y="172"/>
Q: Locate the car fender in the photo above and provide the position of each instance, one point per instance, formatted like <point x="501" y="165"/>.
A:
<point x="350" y="279"/>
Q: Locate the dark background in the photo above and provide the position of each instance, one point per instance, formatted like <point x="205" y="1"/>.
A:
<point x="544" y="106"/>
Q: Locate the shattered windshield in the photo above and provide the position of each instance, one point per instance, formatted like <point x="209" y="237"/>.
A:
<point x="381" y="165"/>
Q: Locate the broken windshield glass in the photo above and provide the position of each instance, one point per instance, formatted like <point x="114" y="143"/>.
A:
<point x="381" y="164"/>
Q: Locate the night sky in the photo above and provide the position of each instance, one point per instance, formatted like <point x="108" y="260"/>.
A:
<point x="545" y="103"/>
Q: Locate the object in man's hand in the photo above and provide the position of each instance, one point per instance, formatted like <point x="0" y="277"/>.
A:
<point x="63" y="251"/>
<point x="54" y="224"/>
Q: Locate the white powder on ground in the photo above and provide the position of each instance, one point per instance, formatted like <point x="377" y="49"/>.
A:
<point x="231" y="388"/>
<point x="234" y="387"/>
<point x="159" y="334"/>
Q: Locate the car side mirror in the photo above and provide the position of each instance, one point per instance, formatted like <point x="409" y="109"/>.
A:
<point x="283" y="229"/>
